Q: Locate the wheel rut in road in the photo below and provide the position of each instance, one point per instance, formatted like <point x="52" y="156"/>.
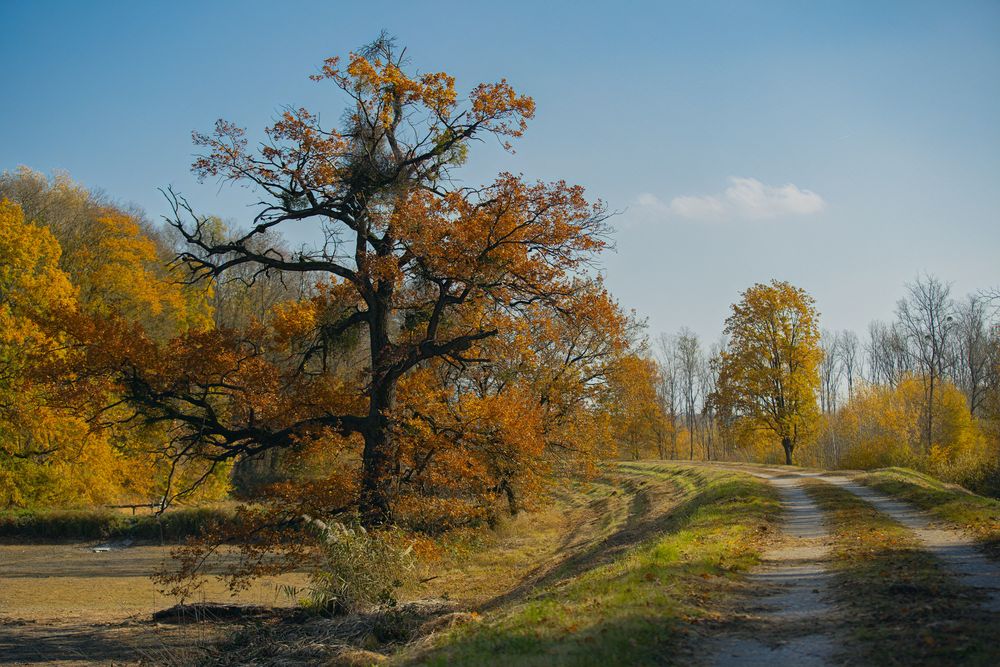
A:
<point x="958" y="553"/>
<point x="796" y="622"/>
<point x="785" y="626"/>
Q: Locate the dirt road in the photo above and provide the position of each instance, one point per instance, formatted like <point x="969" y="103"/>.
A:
<point x="792" y="619"/>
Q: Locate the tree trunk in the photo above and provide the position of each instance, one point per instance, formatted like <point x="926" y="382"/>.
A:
<point x="508" y="490"/>
<point x="930" y="415"/>
<point x="377" y="459"/>
<point x="691" y="435"/>
<point x="375" y="504"/>
<point x="786" y="443"/>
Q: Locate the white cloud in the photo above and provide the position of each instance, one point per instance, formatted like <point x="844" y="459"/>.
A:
<point x="701" y="208"/>
<point x="745" y="198"/>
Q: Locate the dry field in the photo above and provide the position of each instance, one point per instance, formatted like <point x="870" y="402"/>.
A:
<point x="66" y="604"/>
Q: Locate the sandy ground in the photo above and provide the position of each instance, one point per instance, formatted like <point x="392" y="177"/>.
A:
<point x="68" y="605"/>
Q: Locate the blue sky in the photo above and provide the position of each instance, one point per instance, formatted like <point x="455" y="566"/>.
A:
<point x="844" y="146"/>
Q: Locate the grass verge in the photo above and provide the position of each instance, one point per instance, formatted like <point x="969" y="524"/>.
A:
<point x="900" y="608"/>
<point x="104" y="524"/>
<point x="634" y="609"/>
<point x="978" y="515"/>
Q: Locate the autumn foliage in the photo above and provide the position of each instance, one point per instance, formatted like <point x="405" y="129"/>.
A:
<point x="434" y="359"/>
<point x="769" y="370"/>
<point x="62" y="440"/>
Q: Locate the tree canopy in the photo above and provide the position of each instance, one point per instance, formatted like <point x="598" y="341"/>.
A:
<point x="453" y="343"/>
<point x="770" y="368"/>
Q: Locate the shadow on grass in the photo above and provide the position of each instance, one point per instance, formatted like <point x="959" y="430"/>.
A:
<point x="636" y="607"/>
<point x="645" y="518"/>
<point x="30" y="643"/>
<point x="902" y="610"/>
<point x="899" y="605"/>
<point x="642" y="638"/>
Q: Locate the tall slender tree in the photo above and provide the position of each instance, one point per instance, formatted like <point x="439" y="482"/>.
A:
<point x="927" y="321"/>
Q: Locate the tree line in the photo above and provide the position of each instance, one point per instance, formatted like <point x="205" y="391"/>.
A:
<point x="922" y="389"/>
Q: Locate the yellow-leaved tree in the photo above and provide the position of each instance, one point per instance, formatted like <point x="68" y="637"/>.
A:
<point x="47" y="456"/>
<point x="769" y="372"/>
<point x="636" y="413"/>
<point x="67" y="255"/>
<point x="883" y="426"/>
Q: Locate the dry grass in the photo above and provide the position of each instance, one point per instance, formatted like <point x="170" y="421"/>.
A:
<point x="900" y="607"/>
<point x="666" y="531"/>
<point x="635" y="596"/>
<point x="481" y="566"/>
<point x="49" y="582"/>
<point x="977" y="515"/>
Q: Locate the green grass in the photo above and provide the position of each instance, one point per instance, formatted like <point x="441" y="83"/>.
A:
<point x="635" y="609"/>
<point x="976" y="514"/>
<point x="900" y="608"/>
<point x="104" y="524"/>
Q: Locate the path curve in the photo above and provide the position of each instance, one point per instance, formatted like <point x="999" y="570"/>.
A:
<point x="796" y="566"/>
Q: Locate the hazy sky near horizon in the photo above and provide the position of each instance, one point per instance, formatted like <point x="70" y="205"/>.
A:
<point x="843" y="146"/>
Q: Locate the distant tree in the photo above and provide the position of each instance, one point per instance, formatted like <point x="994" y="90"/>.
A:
<point x="830" y="371"/>
<point x="927" y="322"/>
<point x="770" y="368"/>
<point x="850" y="350"/>
<point x="688" y="366"/>
<point x="974" y="354"/>
<point x="669" y="391"/>
<point x="32" y="289"/>
<point x="709" y="382"/>
<point x="889" y="359"/>
<point x="635" y="409"/>
<point x="118" y="261"/>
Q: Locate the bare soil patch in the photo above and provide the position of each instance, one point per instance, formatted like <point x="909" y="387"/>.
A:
<point x="66" y="604"/>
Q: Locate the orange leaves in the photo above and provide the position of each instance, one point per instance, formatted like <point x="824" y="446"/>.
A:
<point x="386" y="88"/>
<point x="511" y="234"/>
<point x="294" y="320"/>
<point x="467" y="444"/>
<point x="383" y="95"/>
<point x="438" y="92"/>
<point x="636" y="413"/>
<point x="49" y="453"/>
<point x="120" y="270"/>
<point x="227" y="155"/>
<point x="500" y="109"/>
<point x="432" y="281"/>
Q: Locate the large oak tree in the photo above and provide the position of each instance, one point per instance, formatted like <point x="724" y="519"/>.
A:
<point x="413" y="268"/>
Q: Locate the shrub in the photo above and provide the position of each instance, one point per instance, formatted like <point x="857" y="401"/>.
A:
<point x="357" y="569"/>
